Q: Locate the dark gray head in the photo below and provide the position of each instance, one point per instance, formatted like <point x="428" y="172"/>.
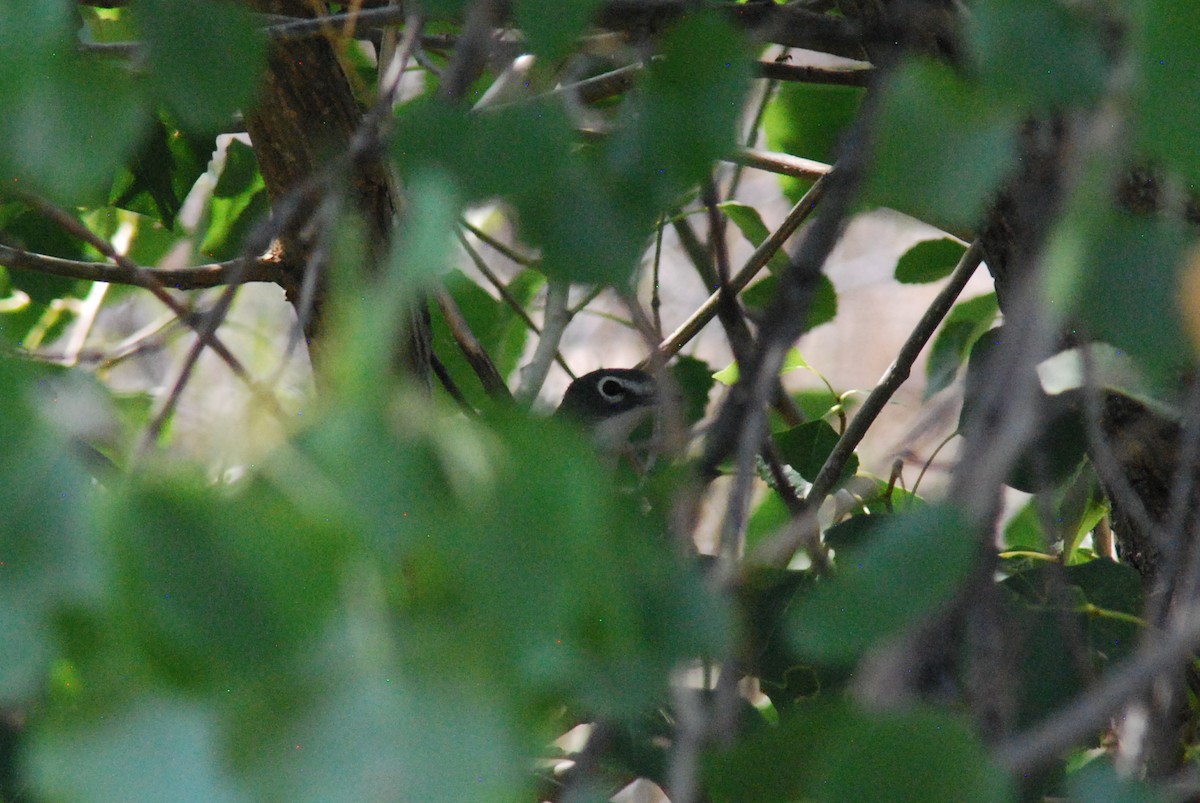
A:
<point x="608" y="394"/>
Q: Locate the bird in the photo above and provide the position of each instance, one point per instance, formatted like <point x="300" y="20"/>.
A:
<point x="611" y="403"/>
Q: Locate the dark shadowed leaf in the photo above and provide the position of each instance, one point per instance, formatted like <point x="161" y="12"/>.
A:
<point x="928" y="261"/>
<point x="806" y="447"/>
<point x="903" y="571"/>
<point x="966" y="323"/>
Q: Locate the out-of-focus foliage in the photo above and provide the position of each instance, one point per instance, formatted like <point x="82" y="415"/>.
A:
<point x="403" y="600"/>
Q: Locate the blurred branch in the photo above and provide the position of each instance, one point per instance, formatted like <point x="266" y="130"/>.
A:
<point x="1041" y="747"/>
<point x="264" y="269"/>
<point x="782" y="25"/>
<point x="554" y="323"/>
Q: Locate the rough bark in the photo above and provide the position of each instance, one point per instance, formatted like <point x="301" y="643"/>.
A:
<point x="307" y="114"/>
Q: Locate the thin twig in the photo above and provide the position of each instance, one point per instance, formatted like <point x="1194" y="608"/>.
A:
<point x="471" y="348"/>
<point x="757" y="261"/>
<point x="484" y="237"/>
<point x="780" y="163"/>
<point x="895" y="376"/>
<point x="448" y="383"/>
<point x="507" y="296"/>
<point x="804" y="74"/>
<point x="74" y="227"/>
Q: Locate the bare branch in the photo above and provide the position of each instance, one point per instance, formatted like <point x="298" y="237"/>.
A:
<point x="199" y="277"/>
<point x="757" y="261"/>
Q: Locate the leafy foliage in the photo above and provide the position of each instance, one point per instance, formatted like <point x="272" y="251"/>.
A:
<point x="412" y="594"/>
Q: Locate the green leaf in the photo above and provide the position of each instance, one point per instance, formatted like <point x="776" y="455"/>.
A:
<point x="931" y="124"/>
<point x="1127" y="294"/>
<point x="929" y="260"/>
<point x="153" y="748"/>
<point x="1058" y="449"/>
<point x="206" y="58"/>
<point x="809" y="120"/>
<point x="69" y="123"/>
<point x="553" y="27"/>
<point x="905" y="570"/>
<point x="1100" y="782"/>
<point x="49" y="556"/>
<point x="695" y="381"/>
<point x="218" y="585"/>
<point x="1036" y="56"/>
<point x="666" y="143"/>
<point x="807" y="446"/>
<point x="822" y="308"/>
<point x="751" y="225"/>
<point x="767" y="519"/>
<point x="490" y="319"/>
<point x="1168" y="85"/>
<point x="836" y="752"/>
<point x="966" y="323"/>
<point x="239" y="202"/>
<point x="161" y="173"/>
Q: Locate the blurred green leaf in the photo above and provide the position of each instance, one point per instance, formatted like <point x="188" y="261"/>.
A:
<point x="1037" y="56"/>
<point x="49" y="555"/>
<point x="152" y="748"/>
<point x="835" y="752"/>
<point x="966" y="323"/>
<point x="220" y="584"/>
<point x="920" y="173"/>
<point x="1168" y="89"/>
<point x="206" y="58"/>
<point x="69" y="123"/>
<point x="553" y="27"/>
<point x="929" y="260"/>
<point x="1127" y="293"/>
<point x="1099" y="782"/>
<point x="770" y="515"/>
<point x="906" y="569"/>
<point x="605" y="608"/>
<point x="809" y="120"/>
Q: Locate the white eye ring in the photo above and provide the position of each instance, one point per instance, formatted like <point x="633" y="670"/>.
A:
<point x="611" y="389"/>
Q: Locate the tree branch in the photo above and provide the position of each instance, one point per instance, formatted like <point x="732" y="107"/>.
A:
<point x="198" y="277"/>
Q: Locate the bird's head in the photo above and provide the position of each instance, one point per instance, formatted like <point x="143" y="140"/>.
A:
<point x="611" y="402"/>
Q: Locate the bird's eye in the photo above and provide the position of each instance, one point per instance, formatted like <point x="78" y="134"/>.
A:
<point x="611" y="390"/>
